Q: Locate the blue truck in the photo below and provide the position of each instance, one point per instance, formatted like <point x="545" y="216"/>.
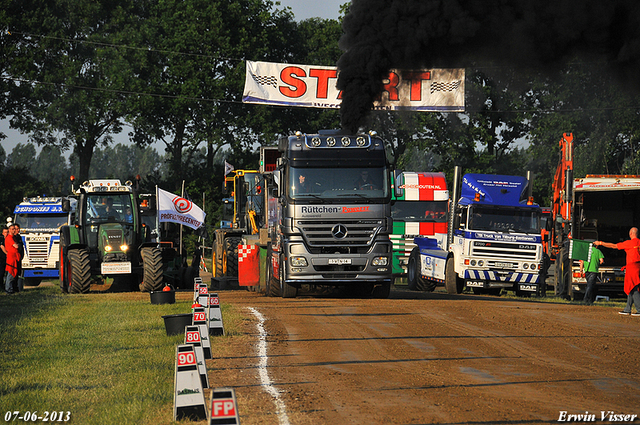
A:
<point x="40" y="219"/>
<point x="493" y="242"/>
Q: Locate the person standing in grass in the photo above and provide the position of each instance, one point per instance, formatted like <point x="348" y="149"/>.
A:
<point x="13" y="260"/>
<point x="589" y="269"/>
<point x="632" y="269"/>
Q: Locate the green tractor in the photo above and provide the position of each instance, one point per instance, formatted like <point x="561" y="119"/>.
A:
<point x="109" y="239"/>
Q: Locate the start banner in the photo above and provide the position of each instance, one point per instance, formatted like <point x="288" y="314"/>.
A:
<point x="431" y="90"/>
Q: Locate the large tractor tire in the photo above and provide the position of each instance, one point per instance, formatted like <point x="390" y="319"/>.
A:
<point x="231" y="255"/>
<point x="64" y="261"/>
<point x="152" y="269"/>
<point x="79" y="271"/>
<point x="272" y="286"/>
<point x="452" y="282"/>
<point x="286" y="290"/>
<point x="219" y="266"/>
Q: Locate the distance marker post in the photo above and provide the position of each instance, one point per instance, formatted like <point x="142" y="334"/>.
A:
<point x="200" y="320"/>
<point x="216" y="327"/>
<point x="192" y="337"/>
<point x="224" y="407"/>
<point x="188" y="396"/>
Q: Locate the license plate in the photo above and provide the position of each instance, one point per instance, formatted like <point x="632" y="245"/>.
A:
<point x="475" y="283"/>
<point x="504" y="265"/>
<point x="339" y="261"/>
<point x="115" y="268"/>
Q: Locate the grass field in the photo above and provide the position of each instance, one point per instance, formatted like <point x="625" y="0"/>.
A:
<point x="103" y="357"/>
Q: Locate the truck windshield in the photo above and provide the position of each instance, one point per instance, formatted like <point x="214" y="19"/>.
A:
<point x="429" y="211"/>
<point x="112" y="207"/>
<point x="35" y="223"/>
<point x="504" y="219"/>
<point x="338" y="183"/>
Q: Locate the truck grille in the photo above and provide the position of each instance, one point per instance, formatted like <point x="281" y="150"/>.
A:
<point x="38" y="252"/>
<point x="504" y="250"/>
<point x="357" y="232"/>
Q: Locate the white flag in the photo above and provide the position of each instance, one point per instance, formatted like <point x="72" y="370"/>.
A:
<point x="175" y="209"/>
<point x="227" y="168"/>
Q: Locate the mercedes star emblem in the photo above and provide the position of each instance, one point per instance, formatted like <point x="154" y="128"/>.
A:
<point x="339" y="231"/>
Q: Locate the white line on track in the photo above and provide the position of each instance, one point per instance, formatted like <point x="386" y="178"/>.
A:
<point x="265" y="381"/>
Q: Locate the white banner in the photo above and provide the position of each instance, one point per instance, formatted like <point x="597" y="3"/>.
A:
<point x="174" y="209"/>
<point x="434" y="90"/>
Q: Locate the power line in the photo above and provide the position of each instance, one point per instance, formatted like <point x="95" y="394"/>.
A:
<point x="124" y="46"/>
<point x="125" y="92"/>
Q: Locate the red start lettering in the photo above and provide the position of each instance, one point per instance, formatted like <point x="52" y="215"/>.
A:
<point x="416" y="78"/>
<point x="323" y="76"/>
<point x="392" y="86"/>
<point x="290" y="75"/>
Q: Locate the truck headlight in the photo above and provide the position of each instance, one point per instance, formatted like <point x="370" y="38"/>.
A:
<point x="298" y="262"/>
<point x="108" y="248"/>
<point x="380" y="261"/>
<point x="480" y="263"/>
<point x="473" y="262"/>
<point x="525" y="266"/>
<point x="124" y="248"/>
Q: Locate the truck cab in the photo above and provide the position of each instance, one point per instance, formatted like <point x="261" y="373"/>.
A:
<point x="330" y="215"/>
<point x="496" y="238"/>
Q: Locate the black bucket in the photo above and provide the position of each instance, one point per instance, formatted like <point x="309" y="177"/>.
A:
<point x="163" y="297"/>
<point x="175" y="323"/>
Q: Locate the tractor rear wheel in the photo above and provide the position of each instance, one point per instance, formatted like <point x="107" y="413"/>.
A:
<point x="79" y="271"/>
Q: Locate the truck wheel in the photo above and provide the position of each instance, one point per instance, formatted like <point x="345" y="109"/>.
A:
<point x="413" y="269"/>
<point x="231" y="255"/>
<point x="453" y="283"/>
<point x="418" y="283"/>
<point x="152" y="269"/>
<point x="286" y="290"/>
<point x="272" y="289"/>
<point x="79" y="271"/>
<point x="563" y="273"/>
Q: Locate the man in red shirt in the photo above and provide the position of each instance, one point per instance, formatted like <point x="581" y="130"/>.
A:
<point x="13" y="258"/>
<point x="632" y="269"/>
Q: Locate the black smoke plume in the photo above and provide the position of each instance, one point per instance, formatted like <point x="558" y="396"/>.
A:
<point x="541" y="34"/>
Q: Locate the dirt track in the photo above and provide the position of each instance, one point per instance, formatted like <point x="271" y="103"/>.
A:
<point x="432" y="358"/>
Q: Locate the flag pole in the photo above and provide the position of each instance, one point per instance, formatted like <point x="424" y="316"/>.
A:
<point x="158" y="232"/>
<point x="182" y="195"/>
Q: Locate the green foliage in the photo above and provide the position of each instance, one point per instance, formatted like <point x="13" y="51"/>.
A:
<point x="105" y="358"/>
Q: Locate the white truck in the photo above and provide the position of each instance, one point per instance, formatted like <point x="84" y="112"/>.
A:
<point x="494" y="239"/>
<point x="40" y="219"/>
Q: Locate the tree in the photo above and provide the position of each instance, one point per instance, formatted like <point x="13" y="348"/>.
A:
<point x="602" y="114"/>
<point x="71" y="75"/>
<point x="195" y="65"/>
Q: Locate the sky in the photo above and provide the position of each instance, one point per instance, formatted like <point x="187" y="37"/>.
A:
<point x="302" y="9"/>
<point x="305" y="9"/>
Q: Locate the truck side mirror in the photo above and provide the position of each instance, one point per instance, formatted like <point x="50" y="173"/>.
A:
<point x="398" y="191"/>
<point x="66" y="205"/>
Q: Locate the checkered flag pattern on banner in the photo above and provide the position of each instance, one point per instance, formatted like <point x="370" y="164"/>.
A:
<point x="448" y="86"/>
<point x="265" y="81"/>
